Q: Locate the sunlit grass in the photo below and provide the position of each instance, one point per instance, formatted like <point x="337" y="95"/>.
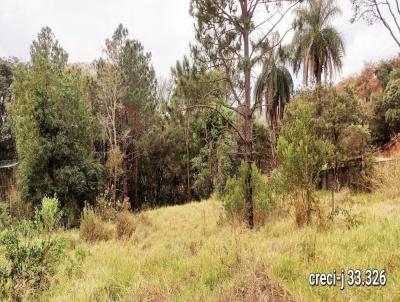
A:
<point x="188" y="253"/>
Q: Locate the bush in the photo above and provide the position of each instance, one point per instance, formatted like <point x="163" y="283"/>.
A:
<point x="48" y="216"/>
<point x="302" y="155"/>
<point x="92" y="228"/>
<point x="126" y="225"/>
<point x="30" y="264"/>
<point x="27" y="228"/>
<point x="234" y="194"/>
<point x="106" y="209"/>
<point x="5" y="219"/>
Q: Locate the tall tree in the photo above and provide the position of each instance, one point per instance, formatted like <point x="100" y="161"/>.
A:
<point x="53" y="125"/>
<point x="134" y="89"/>
<point x="183" y="73"/>
<point x="274" y="87"/>
<point x="110" y="94"/>
<point x="387" y="12"/>
<point x="317" y="46"/>
<point x="235" y="36"/>
<point x="7" y="138"/>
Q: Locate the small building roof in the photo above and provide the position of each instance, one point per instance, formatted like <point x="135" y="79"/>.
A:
<point x="390" y="150"/>
<point x="7" y="164"/>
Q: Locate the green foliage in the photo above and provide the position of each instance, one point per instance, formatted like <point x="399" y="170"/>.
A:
<point x="27" y="228"/>
<point x="234" y="194"/>
<point x="48" y="216"/>
<point x="215" y="161"/>
<point x="5" y="218"/>
<point x="106" y="209"/>
<point x="53" y="127"/>
<point x="351" y="220"/>
<point x="302" y="156"/>
<point x="317" y="46"/>
<point x="7" y="135"/>
<point x="391" y="105"/>
<point x="30" y="264"/>
<point x="301" y="152"/>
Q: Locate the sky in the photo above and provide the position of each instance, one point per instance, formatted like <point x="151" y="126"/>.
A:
<point x="164" y="27"/>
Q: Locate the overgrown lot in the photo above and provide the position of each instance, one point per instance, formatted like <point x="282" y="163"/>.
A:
<point x="190" y="253"/>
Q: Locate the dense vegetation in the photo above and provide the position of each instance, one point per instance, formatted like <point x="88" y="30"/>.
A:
<point x="102" y="145"/>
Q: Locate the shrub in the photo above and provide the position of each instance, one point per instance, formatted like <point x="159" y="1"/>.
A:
<point x="234" y="194"/>
<point x="302" y="155"/>
<point x="92" y="228"/>
<point x="106" y="209"/>
<point x="30" y="264"/>
<point x="126" y="225"/>
<point x="5" y="219"/>
<point x="48" y="216"/>
<point x="27" y="228"/>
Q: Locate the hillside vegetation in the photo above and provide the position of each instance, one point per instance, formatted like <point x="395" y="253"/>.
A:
<point x="204" y="185"/>
<point x="190" y="253"/>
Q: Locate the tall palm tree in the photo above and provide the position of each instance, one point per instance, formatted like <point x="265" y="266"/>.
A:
<point x="273" y="89"/>
<point x="317" y="46"/>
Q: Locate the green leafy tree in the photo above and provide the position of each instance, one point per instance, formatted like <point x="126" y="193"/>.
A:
<point x="233" y="195"/>
<point x="7" y="137"/>
<point x="302" y="155"/>
<point x="196" y="87"/>
<point x="53" y="125"/>
<point x="274" y="88"/>
<point x="342" y="122"/>
<point x="317" y="46"/>
<point x="391" y="106"/>
<point x="236" y="36"/>
<point x="128" y="86"/>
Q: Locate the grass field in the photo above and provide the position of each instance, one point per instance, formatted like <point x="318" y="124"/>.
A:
<point x="190" y="253"/>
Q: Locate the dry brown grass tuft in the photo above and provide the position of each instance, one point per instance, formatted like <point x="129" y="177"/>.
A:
<point x="18" y="208"/>
<point x="386" y="179"/>
<point x="125" y="225"/>
<point x="92" y="228"/>
<point x="128" y="223"/>
<point x="151" y="294"/>
<point x="257" y="287"/>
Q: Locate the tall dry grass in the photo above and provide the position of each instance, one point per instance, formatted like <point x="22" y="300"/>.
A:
<point x="386" y="179"/>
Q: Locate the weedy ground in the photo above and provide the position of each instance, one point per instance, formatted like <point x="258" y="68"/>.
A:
<point x="191" y="253"/>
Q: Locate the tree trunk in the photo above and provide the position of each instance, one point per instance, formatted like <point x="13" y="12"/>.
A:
<point x="248" y="122"/>
<point x="125" y="170"/>
<point x="188" y="187"/>
<point x="318" y="71"/>
<point x="114" y="187"/>
<point x="135" y="201"/>
<point x="274" y="138"/>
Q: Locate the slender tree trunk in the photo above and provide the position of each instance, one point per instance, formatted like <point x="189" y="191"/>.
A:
<point x="187" y="133"/>
<point x="125" y="170"/>
<point x="248" y="123"/>
<point x="318" y="71"/>
<point x="114" y="187"/>
<point x="274" y="137"/>
<point x="135" y="201"/>
<point x="271" y="118"/>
